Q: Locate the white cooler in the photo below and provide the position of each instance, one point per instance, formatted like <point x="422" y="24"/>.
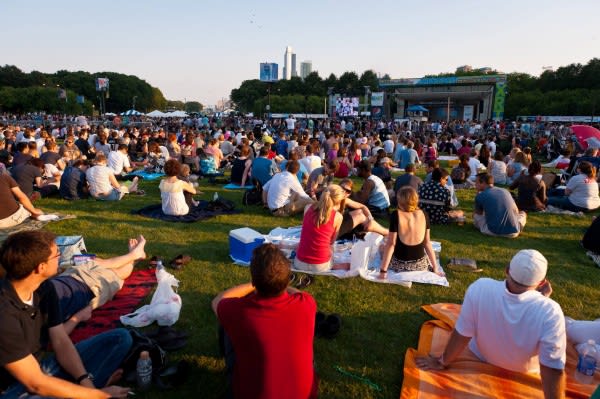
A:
<point x="242" y="242"/>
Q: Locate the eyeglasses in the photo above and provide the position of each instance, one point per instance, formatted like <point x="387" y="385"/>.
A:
<point x="53" y="257"/>
<point x="347" y="190"/>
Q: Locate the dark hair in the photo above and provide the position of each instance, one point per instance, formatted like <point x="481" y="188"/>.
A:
<point x="485" y="178"/>
<point x="438" y="174"/>
<point x="22" y="252"/>
<point x="293" y="167"/>
<point x="38" y="163"/>
<point x="535" y="168"/>
<point x="172" y="167"/>
<point x="264" y="150"/>
<point x="587" y="169"/>
<point x="364" y="165"/>
<point x="270" y="270"/>
<point x="409" y="168"/>
<point x="122" y="146"/>
<point x="22" y="145"/>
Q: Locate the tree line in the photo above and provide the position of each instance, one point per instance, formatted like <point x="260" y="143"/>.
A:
<point x="22" y="92"/>
<point x="570" y="90"/>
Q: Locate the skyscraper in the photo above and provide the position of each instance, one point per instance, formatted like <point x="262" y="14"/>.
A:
<point x="294" y="70"/>
<point x="287" y="63"/>
<point x="305" y="69"/>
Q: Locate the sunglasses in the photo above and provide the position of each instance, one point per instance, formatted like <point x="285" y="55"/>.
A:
<point x="347" y="190"/>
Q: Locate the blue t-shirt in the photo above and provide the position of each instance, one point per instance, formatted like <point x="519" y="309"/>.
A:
<point x="72" y="295"/>
<point x="407" y="156"/>
<point x="281" y="148"/>
<point x="501" y="213"/>
<point x="72" y="184"/>
<point x="263" y="169"/>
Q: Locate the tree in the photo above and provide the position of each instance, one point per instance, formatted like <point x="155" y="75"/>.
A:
<point x="369" y="78"/>
<point x="193" y="106"/>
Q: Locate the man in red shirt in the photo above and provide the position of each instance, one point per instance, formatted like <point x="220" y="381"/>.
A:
<point x="269" y="330"/>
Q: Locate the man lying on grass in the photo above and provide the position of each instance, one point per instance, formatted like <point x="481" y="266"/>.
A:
<point x="27" y="324"/>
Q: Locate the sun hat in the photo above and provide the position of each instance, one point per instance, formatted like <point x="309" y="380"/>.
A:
<point x="528" y="267"/>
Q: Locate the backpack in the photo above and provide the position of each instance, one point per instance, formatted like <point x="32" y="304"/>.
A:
<point x="141" y="342"/>
<point x="254" y="195"/>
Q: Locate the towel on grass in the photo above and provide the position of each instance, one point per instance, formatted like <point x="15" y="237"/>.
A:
<point x="195" y="214"/>
<point x="31" y="224"/>
<point x="147" y="175"/>
<point x="106" y="317"/>
<point x="232" y="186"/>
<point x="469" y="377"/>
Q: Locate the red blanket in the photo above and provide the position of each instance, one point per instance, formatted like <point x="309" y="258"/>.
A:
<point x="136" y="288"/>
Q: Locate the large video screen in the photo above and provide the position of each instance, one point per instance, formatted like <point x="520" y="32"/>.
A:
<point x="347" y="106"/>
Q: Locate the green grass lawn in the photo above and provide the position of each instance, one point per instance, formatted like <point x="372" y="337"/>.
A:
<point x="380" y="321"/>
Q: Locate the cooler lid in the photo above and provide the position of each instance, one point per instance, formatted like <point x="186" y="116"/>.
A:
<point x="246" y="235"/>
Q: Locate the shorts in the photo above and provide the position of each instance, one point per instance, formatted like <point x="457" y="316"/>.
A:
<point x="15" y="219"/>
<point x="417" y="265"/>
<point x="103" y="282"/>
<point x="311" y="267"/>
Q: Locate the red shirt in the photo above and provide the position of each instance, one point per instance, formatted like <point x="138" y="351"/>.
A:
<point x="315" y="242"/>
<point x="273" y="343"/>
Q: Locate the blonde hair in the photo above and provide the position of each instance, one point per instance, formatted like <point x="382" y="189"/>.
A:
<point x="330" y="197"/>
<point x="408" y="199"/>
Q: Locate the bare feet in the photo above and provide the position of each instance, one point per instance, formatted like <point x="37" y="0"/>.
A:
<point x="136" y="246"/>
<point x="134" y="185"/>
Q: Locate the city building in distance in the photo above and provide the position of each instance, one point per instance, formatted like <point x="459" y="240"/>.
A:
<point x="269" y="72"/>
<point x="289" y="63"/>
<point x="305" y="69"/>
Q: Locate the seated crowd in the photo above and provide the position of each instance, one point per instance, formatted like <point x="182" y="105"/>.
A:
<point x="296" y="171"/>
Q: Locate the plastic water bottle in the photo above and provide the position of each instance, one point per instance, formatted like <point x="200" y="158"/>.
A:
<point x="144" y="371"/>
<point x="586" y="364"/>
<point x="159" y="265"/>
<point x="216" y="196"/>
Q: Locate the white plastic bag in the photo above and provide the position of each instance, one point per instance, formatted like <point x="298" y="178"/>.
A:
<point x="164" y="307"/>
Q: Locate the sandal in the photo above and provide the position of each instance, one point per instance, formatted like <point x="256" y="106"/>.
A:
<point x="304" y="281"/>
<point x="179" y="261"/>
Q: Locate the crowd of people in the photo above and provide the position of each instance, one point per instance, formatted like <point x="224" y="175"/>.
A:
<point x="306" y="167"/>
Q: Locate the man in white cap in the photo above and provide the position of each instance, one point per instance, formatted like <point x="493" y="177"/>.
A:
<point x="512" y="324"/>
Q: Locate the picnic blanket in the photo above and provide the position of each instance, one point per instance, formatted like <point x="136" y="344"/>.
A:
<point x="469" y="377"/>
<point x="232" y="186"/>
<point x="31" y="224"/>
<point x="195" y="214"/>
<point x="362" y="256"/>
<point x="147" y="175"/>
<point x="136" y="288"/>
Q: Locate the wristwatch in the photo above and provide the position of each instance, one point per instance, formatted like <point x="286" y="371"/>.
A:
<point x="88" y="376"/>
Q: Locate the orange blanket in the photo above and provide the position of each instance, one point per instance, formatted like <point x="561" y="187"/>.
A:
<point x="468" y="377"/>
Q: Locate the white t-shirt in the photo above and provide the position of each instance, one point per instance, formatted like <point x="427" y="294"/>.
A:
<point x="310" y="162"/>
<point x="98" y="178"/>
<point x="118" y="161"/>
<point x="510" y="330"/>
<point x="280" y="188"/>
<point x="290" y="123"/>
<point x="474" y="164"/>
<point x="584" y="192"/>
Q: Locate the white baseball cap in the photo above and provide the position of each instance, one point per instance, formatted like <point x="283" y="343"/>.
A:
<point x="528" y="267"/>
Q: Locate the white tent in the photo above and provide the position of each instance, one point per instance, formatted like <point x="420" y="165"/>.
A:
<point x="176" y="114"/>
<point x="156" y="114"/>
<point x="131" y="112"/>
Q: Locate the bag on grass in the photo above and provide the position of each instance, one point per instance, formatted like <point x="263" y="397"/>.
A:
<point x="220" y="204"/>
<point x="463" y="265"/>
<point x="141" y="343"/>
<point x="164" y="307"/>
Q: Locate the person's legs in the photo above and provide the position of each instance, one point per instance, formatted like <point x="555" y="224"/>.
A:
<point x="297" y="204"/>
<point x="123" y="265"/>
<point x="558" y="202"/>
<point x="481" y="224"/>
<point x="102" y="354"/>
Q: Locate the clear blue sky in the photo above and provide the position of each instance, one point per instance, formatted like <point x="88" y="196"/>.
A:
<point x="200" y="50"/>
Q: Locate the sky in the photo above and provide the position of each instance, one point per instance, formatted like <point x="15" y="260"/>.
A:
<point x="200" y="50"/>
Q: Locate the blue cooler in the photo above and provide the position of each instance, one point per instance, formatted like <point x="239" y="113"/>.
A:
<point x="242" y="242"/>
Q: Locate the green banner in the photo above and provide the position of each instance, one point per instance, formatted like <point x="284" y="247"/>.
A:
<point x="498" y="109"/>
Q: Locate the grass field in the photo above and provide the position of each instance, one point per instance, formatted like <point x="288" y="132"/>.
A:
<point x="380" y="321"/>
